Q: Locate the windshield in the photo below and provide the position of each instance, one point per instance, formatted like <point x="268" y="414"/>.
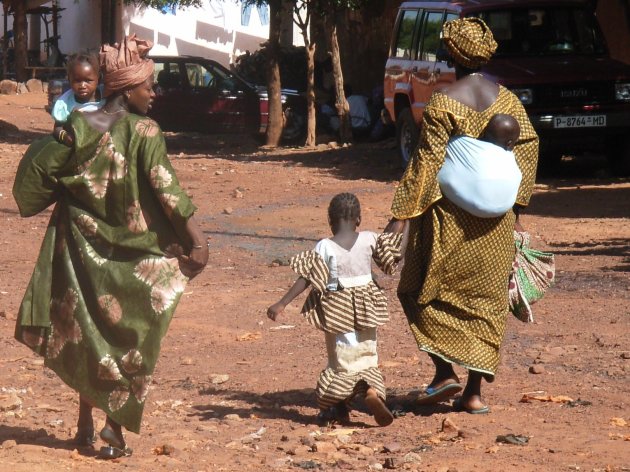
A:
<point x="544" y="31"/>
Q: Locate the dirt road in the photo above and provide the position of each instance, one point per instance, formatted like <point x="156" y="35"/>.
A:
<point x="233" y="391"/>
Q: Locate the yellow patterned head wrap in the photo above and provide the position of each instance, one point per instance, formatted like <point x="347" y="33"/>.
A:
<point x="469" y="42"/>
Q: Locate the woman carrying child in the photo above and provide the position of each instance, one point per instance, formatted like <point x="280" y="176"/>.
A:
<point x="111" y="268"/>
<point x="454" y="285"/>
<point x="348" y="306"/>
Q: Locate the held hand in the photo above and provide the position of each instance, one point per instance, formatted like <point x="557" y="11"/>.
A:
<point x="395" y="226"/>
<point x="275" y="310"/>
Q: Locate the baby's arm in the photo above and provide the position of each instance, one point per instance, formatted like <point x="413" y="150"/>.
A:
<point x="297" y="288"/>
<point x="62" y="135"/>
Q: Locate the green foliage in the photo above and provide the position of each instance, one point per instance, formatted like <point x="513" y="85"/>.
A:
<point x="159" y="4"/>
<point x="253" y="67"/>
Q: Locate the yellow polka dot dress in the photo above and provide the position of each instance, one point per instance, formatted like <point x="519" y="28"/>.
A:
<point x="454" y="284"/>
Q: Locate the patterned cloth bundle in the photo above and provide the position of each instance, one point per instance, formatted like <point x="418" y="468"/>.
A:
<point x="533" y="273"/>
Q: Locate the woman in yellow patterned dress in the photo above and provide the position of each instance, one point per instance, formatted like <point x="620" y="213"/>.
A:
<point x="454" y="284"/>
<point x="111" y="267"/>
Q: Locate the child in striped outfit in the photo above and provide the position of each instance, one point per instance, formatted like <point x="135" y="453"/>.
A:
<point x="348" y="306"/>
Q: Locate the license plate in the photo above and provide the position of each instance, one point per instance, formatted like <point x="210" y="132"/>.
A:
<point x="579" y="121"/>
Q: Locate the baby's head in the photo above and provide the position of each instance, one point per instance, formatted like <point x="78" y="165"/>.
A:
<point x="502" y="130"/>
<point x="344" y="207"/>
<point x="83" y="72"/>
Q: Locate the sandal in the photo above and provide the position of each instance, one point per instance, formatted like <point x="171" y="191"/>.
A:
<point x="116" y="448"/>
<point x="458" y="406"/>
<point x="337" y="414"/>
<point x="434" y="395"/>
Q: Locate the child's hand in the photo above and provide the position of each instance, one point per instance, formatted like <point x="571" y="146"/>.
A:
<point x="275" y="310"/>
<point x="68" y="139"/>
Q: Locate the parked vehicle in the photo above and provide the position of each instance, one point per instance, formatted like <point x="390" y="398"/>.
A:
<point x="551" y="54"/>
<point x="198" y="94"/>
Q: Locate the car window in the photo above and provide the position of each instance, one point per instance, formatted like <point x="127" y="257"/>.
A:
<point x="451" y="17"/>
<point x="167" y="76"/>
<point x="406" y="29"/>
<point x="544" y="31"/>
<point x="431" y="35"/>
<point x="442" y="48"/>
<point x="199" y="76"/>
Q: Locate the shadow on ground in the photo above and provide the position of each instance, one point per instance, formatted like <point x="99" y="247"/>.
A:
<point x="41" y="438"/>
<point x="11" y="134"/>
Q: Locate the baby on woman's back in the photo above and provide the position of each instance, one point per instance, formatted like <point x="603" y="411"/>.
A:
<point x="481" y="175"/>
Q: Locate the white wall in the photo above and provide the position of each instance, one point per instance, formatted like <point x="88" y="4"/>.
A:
<point x="80" y="26"/>
<point x="215" y="30"/>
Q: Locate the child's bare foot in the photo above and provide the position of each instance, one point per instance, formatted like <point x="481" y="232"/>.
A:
<point x="377" y="407"/>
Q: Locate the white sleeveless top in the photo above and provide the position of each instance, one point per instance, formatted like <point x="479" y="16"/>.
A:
<point x="348" y="268"/>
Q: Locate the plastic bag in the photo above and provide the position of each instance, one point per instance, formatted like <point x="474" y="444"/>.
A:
<point x="533" y="272"/>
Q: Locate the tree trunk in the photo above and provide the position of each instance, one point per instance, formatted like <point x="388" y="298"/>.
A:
<point x="275" y="124"/>
<point x="343" y="109"/>
<point x="5" y="41"/>
<point x="20" y="38"/>
<point x="311" y="115"/>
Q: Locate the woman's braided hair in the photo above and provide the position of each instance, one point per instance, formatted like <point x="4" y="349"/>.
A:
<point x="344" y="206"/>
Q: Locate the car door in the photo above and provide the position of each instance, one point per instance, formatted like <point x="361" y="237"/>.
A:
<point x="172" y="96"/>
<point x="443" y="73"/>
<point x="423" y="78"/>
<point x="400" y="63"/>
<point x="222" y="103"/>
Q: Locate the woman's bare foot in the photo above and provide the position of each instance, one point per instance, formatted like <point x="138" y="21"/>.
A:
<point x="377" y="407"/>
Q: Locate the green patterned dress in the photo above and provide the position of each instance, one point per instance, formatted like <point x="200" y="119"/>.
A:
<point x="103" y="291"/>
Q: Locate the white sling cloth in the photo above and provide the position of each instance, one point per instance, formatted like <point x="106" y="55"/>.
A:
<point x="479" y="177"/>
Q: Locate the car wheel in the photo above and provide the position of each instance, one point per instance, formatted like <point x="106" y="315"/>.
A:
<point x="406" y="135"/>
<point x="549" y="160"/>
<point x="618" y="156"/>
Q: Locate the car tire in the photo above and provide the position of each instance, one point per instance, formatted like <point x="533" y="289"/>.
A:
<point x="549" y="161"/>
<point x="618" y="156"/>
<point x="406" y="135"/>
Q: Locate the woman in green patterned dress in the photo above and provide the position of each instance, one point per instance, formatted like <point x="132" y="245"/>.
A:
<point x="454" y="284"/>
<point x="121" y="244"/>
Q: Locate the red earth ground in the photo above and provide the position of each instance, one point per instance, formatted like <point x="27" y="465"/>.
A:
<point x="233" y="390"/>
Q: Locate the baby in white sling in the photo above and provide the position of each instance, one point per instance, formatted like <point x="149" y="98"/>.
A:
<point x="481" y="175"/>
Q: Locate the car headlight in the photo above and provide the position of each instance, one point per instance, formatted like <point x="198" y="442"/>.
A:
<point x="622" y="92"/>
<point x="525" y="95"/>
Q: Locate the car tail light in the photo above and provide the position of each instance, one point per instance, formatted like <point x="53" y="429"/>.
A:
<point x="622" y="92"/>
<point x="525" y="95"/>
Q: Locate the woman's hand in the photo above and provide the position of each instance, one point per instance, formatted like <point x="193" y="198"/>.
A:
<point x="192" y="264"/>
<point x="275" y="310"/>
<point x="395" y="226"/>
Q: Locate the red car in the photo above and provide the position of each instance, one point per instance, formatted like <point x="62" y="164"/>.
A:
<point x="551" y="53"/>
<point x="197" y="94"/>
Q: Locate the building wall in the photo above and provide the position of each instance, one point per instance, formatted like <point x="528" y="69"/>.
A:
<point x="219" y="30"/>
<point x="79" y="26"/>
